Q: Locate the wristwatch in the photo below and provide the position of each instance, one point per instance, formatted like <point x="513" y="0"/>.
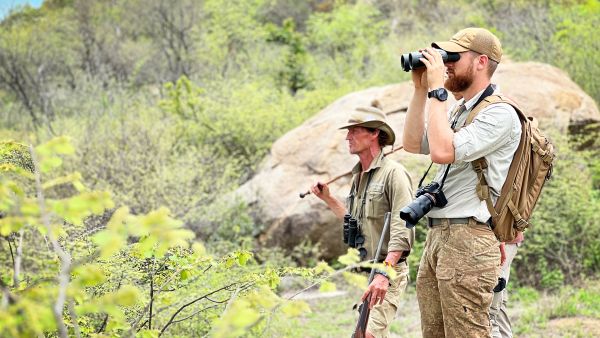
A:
<point x="383" y="273"/>
<point x="440" y="94"/>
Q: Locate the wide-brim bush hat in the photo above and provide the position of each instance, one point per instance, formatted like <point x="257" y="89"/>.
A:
<point x="371" y="117"/>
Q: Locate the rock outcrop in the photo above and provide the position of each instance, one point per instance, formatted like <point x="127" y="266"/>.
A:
<point x="317" y="150"/>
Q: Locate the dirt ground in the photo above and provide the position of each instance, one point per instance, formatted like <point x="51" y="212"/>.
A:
<point x="569" y="327"/>
<point x="336" y="307"/>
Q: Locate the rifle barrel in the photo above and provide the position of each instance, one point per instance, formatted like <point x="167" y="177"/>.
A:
<point x="363" y="319"/>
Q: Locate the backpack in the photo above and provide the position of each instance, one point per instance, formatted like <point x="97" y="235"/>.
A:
<point x="530" y="168"/>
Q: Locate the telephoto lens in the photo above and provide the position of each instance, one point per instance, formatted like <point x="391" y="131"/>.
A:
<point x="413" y="212"/>
<point x="352" y="231"/>
<point x="410" y="61"/>
<point x="427" y="197"/>
<point x="346" y="227"/>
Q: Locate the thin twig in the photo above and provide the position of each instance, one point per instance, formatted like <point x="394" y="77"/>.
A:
<point x="193" y="314"/>
<point x="65" y="258"/>
<point x="350" y="267"/>
<point x="18" y="259"/>
<point x="192" y="302"/>
<point x="151" y="293"/>
<point x="73" y="314"/>
<point x="134" y="325"/>
<point x="218" y="301"/>
<point x="10" y="249"/>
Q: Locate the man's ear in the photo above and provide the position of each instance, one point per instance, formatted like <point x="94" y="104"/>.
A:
<point x="482" y="62"/>
<point x="376" y="133"/>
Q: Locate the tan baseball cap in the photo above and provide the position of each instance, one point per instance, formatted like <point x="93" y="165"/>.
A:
<point x="371" y="117"/>
<point x="479" y="40"/>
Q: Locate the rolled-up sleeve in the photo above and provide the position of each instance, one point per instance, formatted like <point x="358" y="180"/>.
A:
<point x="492" y="128"/>
<point x="400" y="194"/>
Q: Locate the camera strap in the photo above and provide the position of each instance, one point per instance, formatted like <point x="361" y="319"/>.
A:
<point x="489" y="90"/>
<point x="364" y="197"/>
<point x="353" y="193"/>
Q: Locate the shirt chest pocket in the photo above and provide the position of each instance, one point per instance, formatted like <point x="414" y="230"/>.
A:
<point x="376" y="201"/>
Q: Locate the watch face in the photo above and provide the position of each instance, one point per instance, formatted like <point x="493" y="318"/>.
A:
<point x="442" y="94"/>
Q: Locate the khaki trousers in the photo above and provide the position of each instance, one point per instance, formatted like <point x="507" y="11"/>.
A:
<point x="499" y="318"/>
<point x="382" y="315"/>
<point x="458" y="271"/>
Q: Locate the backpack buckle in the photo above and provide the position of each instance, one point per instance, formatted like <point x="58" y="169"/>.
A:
<point x="522" y="224"/>
<point x="479" y="165"/>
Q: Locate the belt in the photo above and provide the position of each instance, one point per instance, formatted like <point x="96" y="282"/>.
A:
<point x="437" y="221"/>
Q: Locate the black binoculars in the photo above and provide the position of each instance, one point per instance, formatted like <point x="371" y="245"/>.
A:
<point x="353" y="236"/>
<point x="410" y="61"/>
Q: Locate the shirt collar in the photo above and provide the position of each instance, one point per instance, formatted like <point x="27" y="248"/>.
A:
<point x="469" y="104"/>
<point x="376" y="163"/>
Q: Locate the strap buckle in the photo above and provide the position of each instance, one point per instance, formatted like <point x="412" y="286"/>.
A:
<point x="479" y="165"/>
<point x="522" y="224"/>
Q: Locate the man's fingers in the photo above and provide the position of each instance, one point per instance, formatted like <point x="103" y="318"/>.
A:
<point x="376" y="300"/>
<point x="426" y="62"/>
<point x="373" y="302"/>
<point x="365" y="295"/>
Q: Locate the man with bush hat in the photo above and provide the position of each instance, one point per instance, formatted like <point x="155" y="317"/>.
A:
<point x="460" y="263"/>
<point x="379" y="185"/>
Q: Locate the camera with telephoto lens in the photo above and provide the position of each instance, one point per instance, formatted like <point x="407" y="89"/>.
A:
<point x="410" y="61"/>
<point x="427" y="197"/>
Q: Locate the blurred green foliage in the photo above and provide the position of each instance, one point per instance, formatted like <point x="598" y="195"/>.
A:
<point x="561" y="245"/>
<point x="136" y="275"/>
<point x="171" y="106"/>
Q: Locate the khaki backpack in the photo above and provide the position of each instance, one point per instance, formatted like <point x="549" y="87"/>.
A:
<point x="530" y="168"/>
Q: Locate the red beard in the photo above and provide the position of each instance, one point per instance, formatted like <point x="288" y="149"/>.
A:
<point x="460" y="83"/>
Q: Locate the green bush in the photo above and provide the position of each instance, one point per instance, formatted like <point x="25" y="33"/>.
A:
<point x="560" y="247"/>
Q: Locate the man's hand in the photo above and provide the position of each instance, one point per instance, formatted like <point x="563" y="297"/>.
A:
<point x="435" y="68"/>
<point x="502" y="254"/>
<point x="321" y="190"/>
<point x="377" y="289"/>
<point x="419" y="77"/>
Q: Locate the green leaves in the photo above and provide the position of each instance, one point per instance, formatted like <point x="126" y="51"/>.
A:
<point x="75" y="209"/>
<point x="88" y="275"/>
<point x="350" y="258"/>
<point x="49" y="151"/>
<point x="159" y="232"/>
<point x="327" y="286"/>
<point x="247" y="312"/>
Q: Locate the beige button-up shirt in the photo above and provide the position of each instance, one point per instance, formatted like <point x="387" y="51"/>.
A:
<point x="389" y="189"/>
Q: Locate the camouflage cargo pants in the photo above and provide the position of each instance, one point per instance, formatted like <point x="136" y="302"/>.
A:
<point x="458" y="271"/>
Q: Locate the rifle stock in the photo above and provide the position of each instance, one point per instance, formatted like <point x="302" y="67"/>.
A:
<point x="363" y="319"/>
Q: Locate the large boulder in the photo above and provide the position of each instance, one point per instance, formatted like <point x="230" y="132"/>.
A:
<point x="317" y="150"/>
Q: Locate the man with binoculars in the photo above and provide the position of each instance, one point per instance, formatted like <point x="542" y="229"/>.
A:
<point x="460" y="263"/>
<point x="379" y="185"/>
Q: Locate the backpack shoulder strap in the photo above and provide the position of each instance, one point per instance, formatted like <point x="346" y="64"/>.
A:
<point x="480" y="164"/>
<point x="493" y="99"/>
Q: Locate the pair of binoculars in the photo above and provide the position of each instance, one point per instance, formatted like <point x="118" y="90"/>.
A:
<point x="353" y="236"/>
<point x="410" y="61"/>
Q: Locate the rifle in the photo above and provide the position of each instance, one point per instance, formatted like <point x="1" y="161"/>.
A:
<point x="363" y="318"/>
